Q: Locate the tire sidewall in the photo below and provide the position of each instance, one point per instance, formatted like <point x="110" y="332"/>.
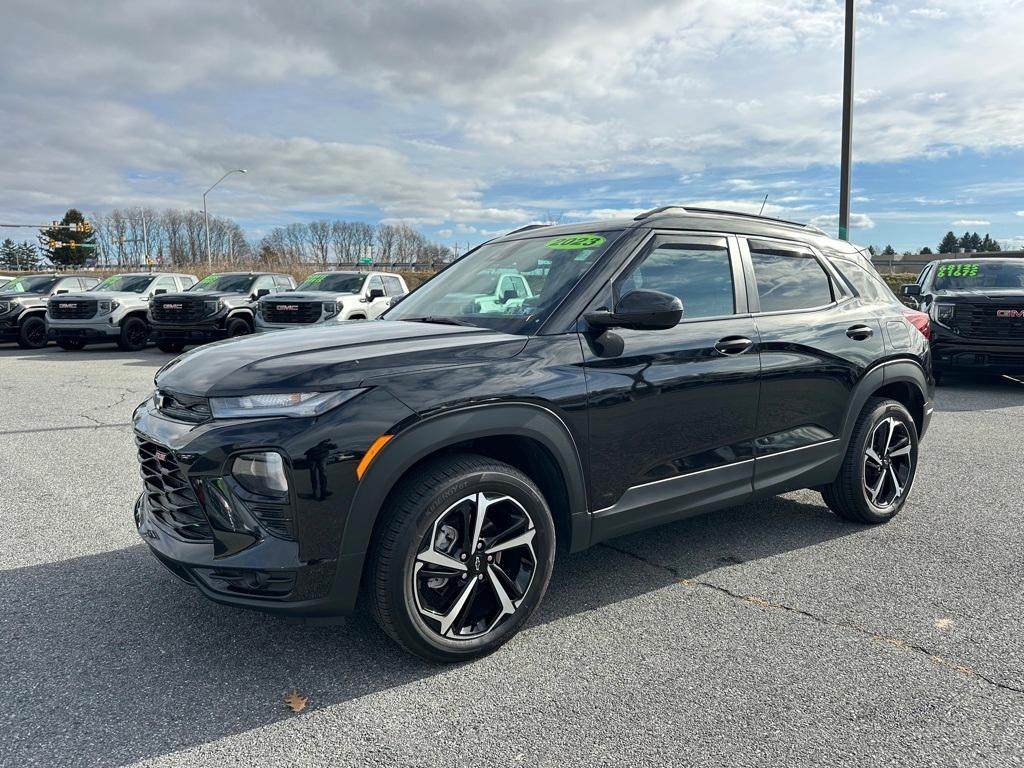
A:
<point x="883" y="411"/>
<point x="128" y="345"/>
<point x="236" y="323"/>
<point x="23" y="338"/>
<point x="417" y="631"/>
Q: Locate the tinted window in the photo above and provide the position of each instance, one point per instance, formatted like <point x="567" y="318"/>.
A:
<point x="867" y="285"/>
<point x="788" y="278"/>
<point x="697" y="274"/>
<point x="226" y="283"/>
<point x="283" y="282"/>
<point x="374" y="283"/>
<point x="266" y="282"/>
<point x="165" y="283"/>
<point x="37" y="284"/>
<point x="334" y="282"/>
<point x="394" y="285"/>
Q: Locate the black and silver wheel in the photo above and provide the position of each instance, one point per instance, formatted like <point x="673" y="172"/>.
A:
<point x="33" y="333"/>
<point x="461" y="559"/>
<point x="880" y="464"/>
<point x="238" y="327"/>
<point x="134" y="334"/>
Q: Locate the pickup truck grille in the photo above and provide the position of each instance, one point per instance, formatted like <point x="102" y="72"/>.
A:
<point x="178" y="310"/>
<point x="291" y="311"/>
<point x="171" y="498"/>
<point x="982" y="321"/>
<point x="71" y="309"/>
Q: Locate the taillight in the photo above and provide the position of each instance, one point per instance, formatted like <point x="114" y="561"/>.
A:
<point x="919" y="320"/>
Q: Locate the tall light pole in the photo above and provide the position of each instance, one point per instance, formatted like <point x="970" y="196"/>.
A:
<point x="206" y="217"/>
<point x="847" y="149"/>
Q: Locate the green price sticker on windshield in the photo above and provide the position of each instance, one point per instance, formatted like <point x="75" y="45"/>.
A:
<point x="207" y="280"/>
<point x="315" y="279"/>
<point x="575" y="242"/>
<point x="957" y="270"/>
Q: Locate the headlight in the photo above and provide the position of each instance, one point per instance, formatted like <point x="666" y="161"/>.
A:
<point x="294" y="404"/>
<point x="5" y="307"/>
<point x="332" y="308"/>
<point x="943" y="313"/>
<point x="261" y="473"/>
<point x="106" y="307"/>
<point x="213" y="305"/>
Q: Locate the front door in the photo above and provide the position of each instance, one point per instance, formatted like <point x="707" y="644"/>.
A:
<point x="673" y="412"/>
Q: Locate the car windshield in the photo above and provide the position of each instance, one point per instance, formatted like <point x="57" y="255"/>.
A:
<point x="334" y="282"/>
<point x="36" y="284"/>
<point x="464" y="294"/>
<point x="223" y="283"/>
<point x="979" y="275"/>
<point x="125" y="283"/>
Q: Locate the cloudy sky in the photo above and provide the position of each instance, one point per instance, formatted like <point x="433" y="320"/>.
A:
<point x="468" y="119"/>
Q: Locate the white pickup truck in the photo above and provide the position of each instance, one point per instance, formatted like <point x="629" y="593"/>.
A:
<point x="330" y="297"/>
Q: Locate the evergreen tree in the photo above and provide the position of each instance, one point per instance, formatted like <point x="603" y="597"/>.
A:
<point x="995" y="246"/>
<point x="926" y="251"/>
<point x="27" y="257"/>
<point x="8" y="254"/>
<point x="949" y="243"/>
<point x="889" y="251"/>
<point x="872" y="251"/>
<point x="975" y="243"/>
<point x="68" y="246"/>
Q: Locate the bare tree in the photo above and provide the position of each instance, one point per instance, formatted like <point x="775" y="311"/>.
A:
<point x="319" y="233"/>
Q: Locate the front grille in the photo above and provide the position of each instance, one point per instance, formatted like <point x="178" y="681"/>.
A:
<point x="180" y="407"/>
<point x="178" y="310"/>
<point x="171" y="498"/>
<point x="981" y="321"/>
<point x="71" y="309"/>
<point x="275" y="518"/>
<point x="291" y="311"/>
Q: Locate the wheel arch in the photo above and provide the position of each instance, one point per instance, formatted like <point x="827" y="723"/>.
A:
<point x="141" y="313"/>
<point x="528" y="436"/>
<point x="32" y="312"/>
<point x="241" y="313"/>
<point x="902" y="380"/>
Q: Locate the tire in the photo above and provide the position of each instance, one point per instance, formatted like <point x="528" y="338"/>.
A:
<point x="358" y="317"/>
<point x="447" y="617"/>
<point x="134" y="335"/>
<point x="32" y="334"/>
<point x="238" y="327"/>
<point x="71" y="345"/>
<point x="872" y="488"/>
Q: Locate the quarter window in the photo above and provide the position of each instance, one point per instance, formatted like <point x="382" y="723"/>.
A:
<point x="283" y="282"/>
<point x="698" y="274"/>
<point x="868" y="286"/>
<point x="788" y="278"/>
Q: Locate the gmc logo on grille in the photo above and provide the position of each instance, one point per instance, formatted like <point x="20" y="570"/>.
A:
<point x="1010" y="313"/>
<point x="66" y="306"/>
<point x="160" y="455"/>
<point x="172" y="306"/>
<point x="288" y="307"/>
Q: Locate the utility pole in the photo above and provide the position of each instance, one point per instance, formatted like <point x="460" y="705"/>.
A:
<point x="206" y="217"/>
<point x="847" y="149"/>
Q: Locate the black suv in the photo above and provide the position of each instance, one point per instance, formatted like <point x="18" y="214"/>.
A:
<point x="23" y="303"/>
<point x="220" y="306"/>
<point x="977" y="313"/>
<point x="662" y="367"/>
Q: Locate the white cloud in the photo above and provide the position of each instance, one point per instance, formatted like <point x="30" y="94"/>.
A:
<point x="928" y="13"/>
<point x="830" y="221"/>
<point x="1020" y="213"/>
<point x="971" y="223"/>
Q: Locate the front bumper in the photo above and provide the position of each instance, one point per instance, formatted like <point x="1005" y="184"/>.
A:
<point x="97" y="329"/>
<point x="10" y="327"/>
<point x="950" y="351"/>
<point x="188" y="334"/>
<point x="297" y="569"/>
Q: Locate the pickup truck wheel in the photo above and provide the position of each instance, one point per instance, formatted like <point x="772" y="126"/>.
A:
<point x="880" y="465"/>
<point x="171" y="347"/>
<point x="71" y="345"/>
<point x="460" y="558"/>
<point x="238" y="327"/>
<point x="134" y="334"/>
<point x="33" y="333"/>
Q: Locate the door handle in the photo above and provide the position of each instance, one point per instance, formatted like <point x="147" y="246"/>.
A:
<point x="733" y="345"/>
<point x="859" y="332"/>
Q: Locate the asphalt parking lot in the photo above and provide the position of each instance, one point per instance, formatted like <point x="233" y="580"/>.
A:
<point x="770" y="634"/>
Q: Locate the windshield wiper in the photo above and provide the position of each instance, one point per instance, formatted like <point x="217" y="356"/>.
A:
<point x="440" y="321"/>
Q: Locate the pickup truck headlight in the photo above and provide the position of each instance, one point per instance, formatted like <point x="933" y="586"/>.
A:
<point x="5" y="307"/>
<point x="332" y="308"/>
<point x="295" y="404"/>
<point x="213" y="306"/>
<point x="943" y="313"/>
<point x="106" y="307"/>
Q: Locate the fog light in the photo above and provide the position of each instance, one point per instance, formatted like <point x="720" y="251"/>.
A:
<point x="261" y="473"/>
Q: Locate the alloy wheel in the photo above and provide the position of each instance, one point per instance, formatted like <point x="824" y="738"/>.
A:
<point x="474" y="566"/>
<point x="888" y="463"/>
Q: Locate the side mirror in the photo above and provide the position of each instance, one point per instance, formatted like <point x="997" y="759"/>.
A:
<point x="507" y="296"/>
<point x="640" y="310"/>
<point x="262" y="292"/>
<point x="159" y="291"/>
<point x="396" y="299"/>
<point x="375" y="293"/>
<point x="910" y="289"/>
<point x="60" y="291"/>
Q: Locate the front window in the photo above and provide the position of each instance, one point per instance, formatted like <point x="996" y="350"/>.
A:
<point x="37" y="284"/>
<point x="333" y="282"/>
<point x="968" y="275"/>
<point x="467" y="292"/>
<point x="125" y="284"/>
<point x="223" y="284"/>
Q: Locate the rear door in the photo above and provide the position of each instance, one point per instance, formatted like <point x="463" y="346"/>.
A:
<point x="817" y="340"/>
<point x="375" y="306"/>
<point x="673" y="412"/>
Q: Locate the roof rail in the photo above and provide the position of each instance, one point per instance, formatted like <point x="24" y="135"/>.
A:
<point x="526" y="228"/>
<point x="723" y="212"/>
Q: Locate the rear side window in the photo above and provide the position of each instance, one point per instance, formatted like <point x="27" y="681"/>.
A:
<point x="166" y="284"/>
<point x="283" y="283"/>
<point x="868" y="286"/>
<point x="393" y="284"/>
<point x="788" y="278"/>
<point x="186" y="281"/>
<point x="374" y="283"/>
<point x="697" y="273"/>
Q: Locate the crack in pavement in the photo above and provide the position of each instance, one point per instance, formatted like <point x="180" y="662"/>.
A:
<point x="760" y="602"/>
<point x="97" y="425"/>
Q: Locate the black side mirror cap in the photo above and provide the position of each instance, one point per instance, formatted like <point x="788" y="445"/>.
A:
<point x="640" y="310"/>
<point x="375" y="293"/>
<point x="262" y="292"/>
<point x="159" y="291"/>
<point x="910" y="289"/>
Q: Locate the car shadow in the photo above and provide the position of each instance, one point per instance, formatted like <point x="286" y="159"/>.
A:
<point x="962" y="391"/>
<point x="149" y="357"/>
<point x="108" y="659"/>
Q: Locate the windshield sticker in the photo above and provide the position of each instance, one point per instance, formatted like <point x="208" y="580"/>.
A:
<point x="957" y="270"/>
<point x="315" y="279"/>
<point x="207" y="280"/>
<point x="575" y="242"/>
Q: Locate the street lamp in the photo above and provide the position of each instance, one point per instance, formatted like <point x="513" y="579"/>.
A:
<point x="206" y="217"/>
<point x="846" y="158"/>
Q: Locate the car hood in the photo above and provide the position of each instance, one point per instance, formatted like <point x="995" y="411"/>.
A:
<point x="982" y="294"/>
<point x="32" y="296"/>
<point x="288" y="296"/>
<point x="97" y="296"/>
<point x="336" y="357"/>
<point x="204" y="296"/>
